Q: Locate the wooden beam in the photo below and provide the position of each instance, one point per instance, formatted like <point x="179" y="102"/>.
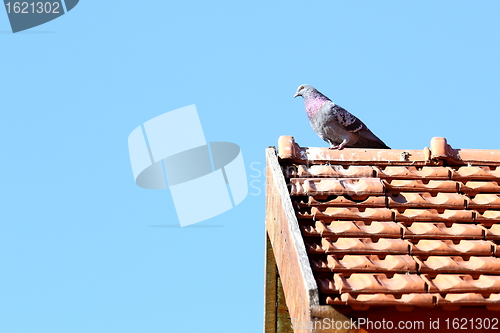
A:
<point x="299" y="285"/>
<point x="270" y="290"/>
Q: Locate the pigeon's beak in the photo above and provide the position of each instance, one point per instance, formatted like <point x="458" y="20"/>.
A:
<point x="296" y="94"/>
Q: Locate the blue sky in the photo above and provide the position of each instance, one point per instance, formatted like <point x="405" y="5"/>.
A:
<point x="83" y="249"/>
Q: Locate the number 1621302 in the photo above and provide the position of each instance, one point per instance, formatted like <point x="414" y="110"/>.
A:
<point x="39" y="7"/>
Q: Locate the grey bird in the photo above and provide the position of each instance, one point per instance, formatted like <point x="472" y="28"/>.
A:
<point x="335" y="124"/>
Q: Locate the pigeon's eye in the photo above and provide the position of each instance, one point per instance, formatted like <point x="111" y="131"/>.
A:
<point x="301" y="87"/>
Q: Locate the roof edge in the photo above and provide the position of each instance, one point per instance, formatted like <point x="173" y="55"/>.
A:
<point x="439" y="153"/>
<point x="291" y="257"/>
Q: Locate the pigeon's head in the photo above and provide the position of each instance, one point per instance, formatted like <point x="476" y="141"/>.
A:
<point x="304" y="90"/>
<point x="313" y="99"/>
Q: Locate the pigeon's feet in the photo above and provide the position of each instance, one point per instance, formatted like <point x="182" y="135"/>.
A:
<point x="340" y="146"/>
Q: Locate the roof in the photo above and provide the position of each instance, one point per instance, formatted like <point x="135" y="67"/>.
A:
<point x="368" y="229"/>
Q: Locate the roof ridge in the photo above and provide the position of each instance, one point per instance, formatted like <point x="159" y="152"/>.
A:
<point x="439" y="153"/>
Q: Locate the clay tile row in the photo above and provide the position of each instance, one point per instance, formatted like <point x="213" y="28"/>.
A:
<point x="395" y="172"/>
<point x="413" y="231"/>
<point x="432" y="265"/>
<point x="360" y="156"/>
<point x="407" y="301"/>
<point x="288" y="149"/>
<point x="487" y="217"/>
<point x="411" y="172"/>
<point x="371" y="283"/>
<point x="423" y="247"/>
<point x="407" y="200"/>
<point x="366" y="263"/>
<point x="364" y="301"/>
<point x="344" y="186"/>
<point x="439" y="172"/>
<point x="438" y="153"/>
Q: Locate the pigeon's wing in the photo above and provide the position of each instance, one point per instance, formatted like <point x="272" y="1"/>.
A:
<point x="352" y="124"/>
<point x="346" y="119"/>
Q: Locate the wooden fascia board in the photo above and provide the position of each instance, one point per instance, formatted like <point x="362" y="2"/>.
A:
<point x="299" y="285"/>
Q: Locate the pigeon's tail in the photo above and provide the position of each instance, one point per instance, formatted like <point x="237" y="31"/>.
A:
<point x="367" y="139"/>
<point x="379" y="145"/>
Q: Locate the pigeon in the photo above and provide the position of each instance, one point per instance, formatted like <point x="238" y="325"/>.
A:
<point x="335" y="124"/>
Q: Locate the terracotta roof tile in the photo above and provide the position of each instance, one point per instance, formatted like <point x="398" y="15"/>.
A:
<point x="472" y="187"/>
<point x="365" y="245"/>
<point x="364" y="301"/>
<point x="492" y="231"/>
<point x="444" y="264"/>
<point x="484" y="200"/>
<point x="372" y="263"/>
<point x="313" y="247"/>
<point x="454" y="301"/>
<point x="411" y="172"/>
<point x="359" y="228"/>
<point x="427" y="200"/>
<point x="491" y="216"/>
<point x="411" y="214"/>
<point x="352" y="213"/>
<point x="449" y="247"/>
<point x="418" y="185"/>
<point x="436" y="230"/>
<point x="475" y="172"/>
<point x="343" y="201"/>
<point x="403" y="228"/>
<point x="332" y="171"/>
<point x="464" y="283"/>
<point x="376" y="283"/>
